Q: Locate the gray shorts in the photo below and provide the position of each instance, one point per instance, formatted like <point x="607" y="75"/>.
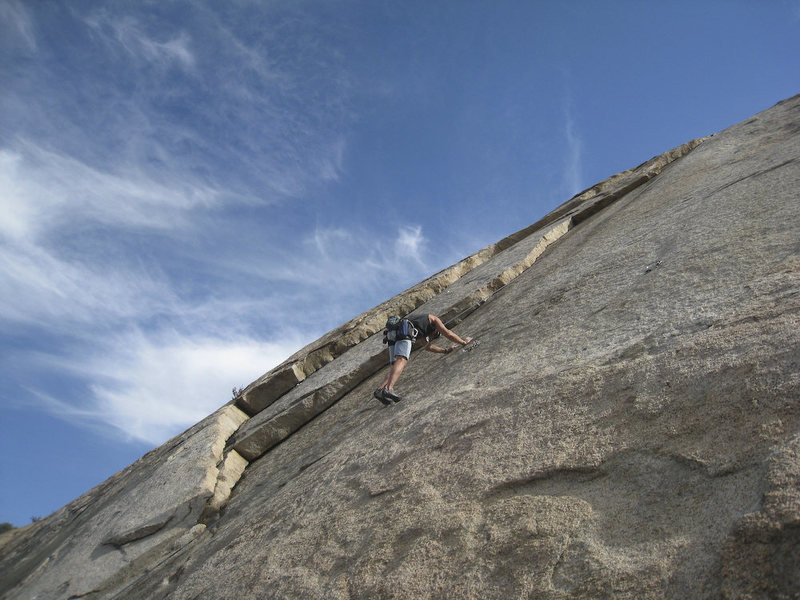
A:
<point x="401" y="348"/>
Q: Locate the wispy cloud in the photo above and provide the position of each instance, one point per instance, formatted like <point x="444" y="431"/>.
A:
<point x="15" y="22"/>
<point x="129" y="33"/>
<point x="46" y="291"/>
<point x="359" y="258"/>
<point x="55" y="254"/>
<point x="155" y="386"/>
<point x="263" y="110"/>
<point x="119" y="162"/>
<point x="334" y="272"/>
<point x="41" y="189"/>
<point x="410" y="244"/>
<point x="151" y="386"/>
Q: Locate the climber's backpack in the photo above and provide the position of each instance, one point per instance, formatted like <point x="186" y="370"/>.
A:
<point x="399" y="329"/>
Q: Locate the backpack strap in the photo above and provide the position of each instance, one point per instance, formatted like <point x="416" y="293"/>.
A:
<point x="399" y="329"/>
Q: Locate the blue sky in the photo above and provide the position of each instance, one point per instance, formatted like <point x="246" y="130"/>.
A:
<point x="190" y="191"/>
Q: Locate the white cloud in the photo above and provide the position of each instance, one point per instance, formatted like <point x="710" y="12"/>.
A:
<point x="154" y="386"/>
<point x="176" y="49"/>
<point x="149" y="385"/>
<point x="329" y="242"/>
<point x="47" y="291"/>
<point x="128" y="32"/>
<point x="45" y="195"/>
<point x="410" y="243"/>
<point x="346" y="261"/>
<point x="42" y="189"/>
<point x="114" y="178"/>
<point x="18" y="213"/>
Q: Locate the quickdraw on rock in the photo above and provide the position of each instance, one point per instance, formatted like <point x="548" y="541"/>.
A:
<point x="471" y="346"/>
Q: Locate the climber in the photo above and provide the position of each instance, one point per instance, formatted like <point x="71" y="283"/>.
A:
<point x="401" y="334"/>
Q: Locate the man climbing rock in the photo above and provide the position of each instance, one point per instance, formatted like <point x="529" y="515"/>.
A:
<point x="400" y="335"/>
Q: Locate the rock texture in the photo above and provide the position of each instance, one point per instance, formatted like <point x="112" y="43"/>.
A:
<point x="627" y="425"/>
<point x="124" y="524"/>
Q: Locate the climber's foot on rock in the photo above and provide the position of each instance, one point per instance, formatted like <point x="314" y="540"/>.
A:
<point x="390" y="395"/>
<point x="378" y="393"/>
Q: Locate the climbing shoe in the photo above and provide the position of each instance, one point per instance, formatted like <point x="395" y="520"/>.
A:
<point x="391" y="396"/>
<point x="378" y="393"/>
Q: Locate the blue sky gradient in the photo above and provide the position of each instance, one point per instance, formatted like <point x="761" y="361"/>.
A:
<point x="191" y="191"/>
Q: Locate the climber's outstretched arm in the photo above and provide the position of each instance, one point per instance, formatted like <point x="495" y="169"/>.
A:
<point x="453" y="337"/>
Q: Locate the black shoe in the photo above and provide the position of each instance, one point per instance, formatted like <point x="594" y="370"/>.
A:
<point x="391" y="396"/>
<point x="379" y="395"/>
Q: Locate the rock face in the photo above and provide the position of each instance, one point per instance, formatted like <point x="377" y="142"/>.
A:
<point x="627" y="426"/>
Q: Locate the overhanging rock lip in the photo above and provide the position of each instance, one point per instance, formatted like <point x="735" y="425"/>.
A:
<point x="264" y="432"/>
<point x="139" y="531"/>
<point x="264" y="391"/>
